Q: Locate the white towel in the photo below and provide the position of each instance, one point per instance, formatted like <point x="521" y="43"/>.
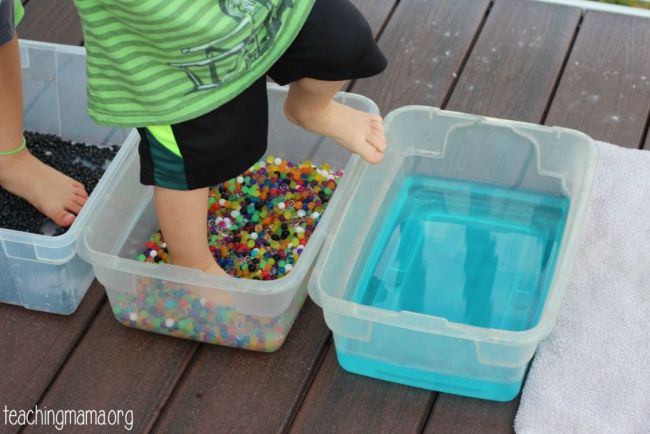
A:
<point x="592" y="374"/>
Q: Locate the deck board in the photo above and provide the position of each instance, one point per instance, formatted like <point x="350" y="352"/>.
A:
<point x="34" y="345"/>
<point x="341" y="402"/>
<point x="607" y="95"/>
<point x="462" y="415"/>
<point x="115" y="367"/>
<point x="516" y="62"/>
<point x="423" y="65"/>
<point x="231" y="390"/>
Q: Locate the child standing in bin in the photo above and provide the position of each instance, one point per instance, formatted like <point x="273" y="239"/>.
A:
<point x="191" y="76"/>
<point x="51" y="192"/>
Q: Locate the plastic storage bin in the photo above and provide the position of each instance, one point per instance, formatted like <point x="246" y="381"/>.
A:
<point x="256" y="315"/>
<point x="467" y="335"/>
<point x="44" y="272"/>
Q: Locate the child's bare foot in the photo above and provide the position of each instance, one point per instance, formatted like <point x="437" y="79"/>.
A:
<point x="215" y="269"/>
<point x="54" y="194"/>
<point x="359" y="132"/>
<point x="216" y="297"/>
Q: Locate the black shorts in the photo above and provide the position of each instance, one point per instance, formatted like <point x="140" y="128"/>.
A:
<point x="335" y="44"/>
<point x="7" y="19"/>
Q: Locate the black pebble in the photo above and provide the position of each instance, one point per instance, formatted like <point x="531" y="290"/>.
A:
<point x="82" y="162"/>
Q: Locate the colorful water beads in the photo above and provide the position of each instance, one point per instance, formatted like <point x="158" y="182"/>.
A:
<point x="177" y="312"/>
<point x="260" y="222"/>
<point x="258" y="225"/>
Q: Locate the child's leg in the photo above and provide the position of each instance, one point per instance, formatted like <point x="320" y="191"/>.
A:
<point x="182" y="215"/>
<point x="52" y="193"/>
<point x="183" y="222"/>
<point x="310" y="105"/>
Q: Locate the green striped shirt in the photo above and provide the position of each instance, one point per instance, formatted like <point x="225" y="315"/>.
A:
<point x="155" y="62"/>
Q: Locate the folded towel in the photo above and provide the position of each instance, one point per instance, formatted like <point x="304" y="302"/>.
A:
<point x="592" y="375"/>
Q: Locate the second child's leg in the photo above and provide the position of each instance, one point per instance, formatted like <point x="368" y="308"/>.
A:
<point x="183" y="221"/>
<point x="310" y="105"/>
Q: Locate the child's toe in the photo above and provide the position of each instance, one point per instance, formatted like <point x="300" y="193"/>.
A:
<point x="73" y="206"/>
<point x="371" y="154"/>
<point x="377" y="141"/>
<point x="79" y="189"/>
<point x="376" y="157"/>
<point x="63" y="218"/>
<point x="376" y="118"/>
<point x="81" y="201"/>
<point x="377" y="123"/>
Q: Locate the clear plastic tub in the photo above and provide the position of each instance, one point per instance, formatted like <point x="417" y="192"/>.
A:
<point x="457" y="298"/>
<point x="44" y="272"/>
<point x="257" y="314"/>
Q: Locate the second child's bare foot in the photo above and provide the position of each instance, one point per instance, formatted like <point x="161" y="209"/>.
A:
<point x="182" y="215"/>
<point x="357" y="131"/>
<point x="54" y="194"/>
<point x="215" y="296"/>
<point x="216" y="270"/>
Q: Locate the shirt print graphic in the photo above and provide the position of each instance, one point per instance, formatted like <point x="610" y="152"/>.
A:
<point x="256" y="26"/>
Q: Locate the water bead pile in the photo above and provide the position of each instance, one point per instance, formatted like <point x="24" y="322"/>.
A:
<point x="260" y="222"/>
<point x="258" y="225"/>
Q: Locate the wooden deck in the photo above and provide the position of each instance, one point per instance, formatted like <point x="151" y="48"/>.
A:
<point x="514" y="59"/>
